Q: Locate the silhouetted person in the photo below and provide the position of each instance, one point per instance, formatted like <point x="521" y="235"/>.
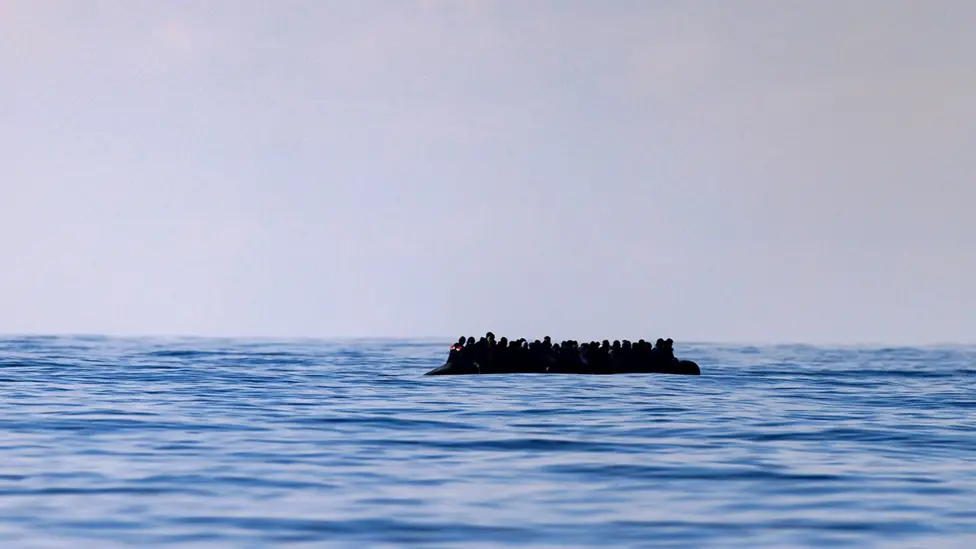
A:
<point x="501" y="354"/>
<point x="626" y="353"/>
<point x="456" y="350"/>
<point x="669" y="349"/>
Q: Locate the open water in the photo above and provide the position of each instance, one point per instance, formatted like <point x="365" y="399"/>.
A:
<point x="242" y="443"/>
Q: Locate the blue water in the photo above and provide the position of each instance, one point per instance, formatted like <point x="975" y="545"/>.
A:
<point x="242" y="443"/>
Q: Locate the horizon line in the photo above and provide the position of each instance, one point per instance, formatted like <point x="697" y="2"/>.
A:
<point x="451" y="339"/>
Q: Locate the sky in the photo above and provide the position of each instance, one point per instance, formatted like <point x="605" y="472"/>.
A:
<point x="757" y="171"/>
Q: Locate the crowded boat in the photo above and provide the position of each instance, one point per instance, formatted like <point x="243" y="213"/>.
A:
<point x="487" y="355"/>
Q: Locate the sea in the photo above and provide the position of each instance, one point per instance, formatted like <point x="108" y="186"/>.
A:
<point x="190" y="442"/>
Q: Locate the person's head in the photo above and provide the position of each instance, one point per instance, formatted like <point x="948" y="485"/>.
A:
<point x="490" y="336"/>
<point x="461" y="340"/>
<point x="471" y="340"/>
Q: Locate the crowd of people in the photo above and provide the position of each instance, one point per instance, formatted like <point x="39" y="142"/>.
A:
<point x="567" y="356"/>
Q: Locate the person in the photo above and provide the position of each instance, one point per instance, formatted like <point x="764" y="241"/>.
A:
<point x="459" y="345"/>
<point x="456" y="350"/>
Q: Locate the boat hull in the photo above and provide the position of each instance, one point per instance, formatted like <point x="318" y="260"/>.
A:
<point x="675" y="367"/>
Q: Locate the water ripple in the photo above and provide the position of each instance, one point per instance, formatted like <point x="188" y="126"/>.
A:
<point x="189" y="442"/>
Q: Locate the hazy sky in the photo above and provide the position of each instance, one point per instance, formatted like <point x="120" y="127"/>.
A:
<point x="722" y="171"/>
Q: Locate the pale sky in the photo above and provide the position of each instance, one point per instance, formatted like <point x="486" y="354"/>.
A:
<point x="756" y="171"/>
